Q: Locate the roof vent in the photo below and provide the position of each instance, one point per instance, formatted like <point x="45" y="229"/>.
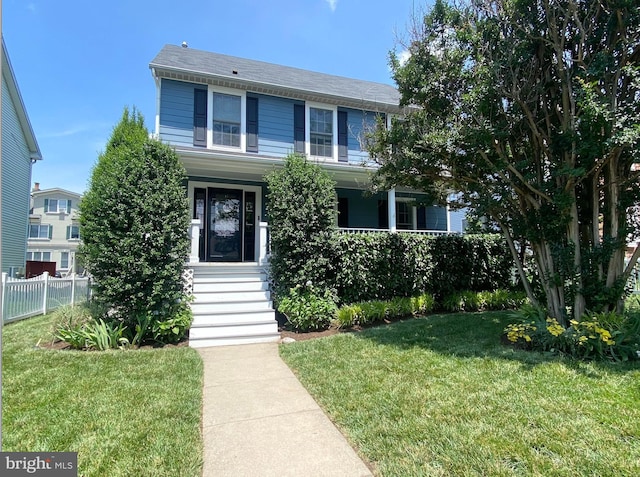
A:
<point x="235" y="72"/>
<point x="185" y="45"/>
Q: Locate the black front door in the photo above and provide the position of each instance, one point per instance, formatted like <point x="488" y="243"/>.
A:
<point x="225" y="208"/>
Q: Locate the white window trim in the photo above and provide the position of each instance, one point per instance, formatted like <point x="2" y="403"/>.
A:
<point x="68" y="252"/>
<point x="307" y="130"/>
<point x="243" y="118"/>
<point x="63" y="211"/>
<point x="29" y="237"/>
<point x="73" y="239"/>
<point x="192" y="185"/>
<point x="41" y="252"/>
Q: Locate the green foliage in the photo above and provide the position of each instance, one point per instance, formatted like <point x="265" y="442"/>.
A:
<point x="93" y="335"/>
<point x="484" y="301"/>
<point x="173" y="329"/>
<point x="308" y="308"/>
<point x="380" y="266"/>
<point x="596" y="336"/>
<point x="383" y="266"/>
<point x="301" y="200"/>
<point x="368" y="312"/>
<point x="72" y="316"/>
<point x="134" y="222"/>
<point x="531" y="115"/>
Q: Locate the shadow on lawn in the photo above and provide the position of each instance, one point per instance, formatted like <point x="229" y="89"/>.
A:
<point x="476" y="335"/>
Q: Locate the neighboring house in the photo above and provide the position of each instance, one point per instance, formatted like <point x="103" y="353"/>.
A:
<point x="54" y="228"/>
<point x="232" y="120"/>
<point x="19" y="151"/>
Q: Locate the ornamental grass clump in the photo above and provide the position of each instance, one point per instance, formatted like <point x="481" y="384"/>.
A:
<point x="596" y="336"/>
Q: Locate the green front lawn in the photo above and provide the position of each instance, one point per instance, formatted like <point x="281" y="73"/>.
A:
<point x="440" y="396"/>
<point x="126" y="413"/>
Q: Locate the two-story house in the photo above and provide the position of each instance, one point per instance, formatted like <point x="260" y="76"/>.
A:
<point x="19" y="151"/>
<point x="54" y="228"/>
<point x="232" y="120"/>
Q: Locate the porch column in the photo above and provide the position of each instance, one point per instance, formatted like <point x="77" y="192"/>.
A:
<point x="392" y="210"/>
<point x="194" y="254"/>
<point x="264" y="244"/>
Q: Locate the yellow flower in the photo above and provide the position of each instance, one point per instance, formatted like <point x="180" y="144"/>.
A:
<point x="555" y="330"/>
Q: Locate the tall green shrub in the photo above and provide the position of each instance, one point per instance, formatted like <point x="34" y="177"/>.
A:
<point x="134" y="222"/>
<point x="383" y="266"/>
<point x="301" y="201"/>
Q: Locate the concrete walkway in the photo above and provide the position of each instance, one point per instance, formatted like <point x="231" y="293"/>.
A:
<point x="258" y="420"/>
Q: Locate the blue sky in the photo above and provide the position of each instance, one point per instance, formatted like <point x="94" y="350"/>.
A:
<point x="79" y="62"/>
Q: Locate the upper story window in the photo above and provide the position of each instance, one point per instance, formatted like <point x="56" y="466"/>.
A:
<point x="57" y="205"/>
<point x="321" y="132"/>
<point x="226" y="119"/>
<point x="40" y="231"/>
<point x="73" y="232"/>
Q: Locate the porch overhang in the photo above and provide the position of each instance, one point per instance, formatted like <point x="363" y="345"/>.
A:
<point x="236" y="166"/>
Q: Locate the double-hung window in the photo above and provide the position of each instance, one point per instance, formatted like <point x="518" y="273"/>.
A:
<point x="57" y="205"/>
<point x="64" y="260"/>
<point x="226" y="119"/>
<point x="39" y="256"/>
<point x="39" y="231"/>
<point x="321" y="132"/>
<point x="73" y="232"/>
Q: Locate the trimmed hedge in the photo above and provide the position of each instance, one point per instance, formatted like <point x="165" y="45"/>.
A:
<point x="382" y="266"/>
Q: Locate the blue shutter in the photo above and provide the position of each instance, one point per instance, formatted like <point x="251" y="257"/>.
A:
<point x="68" y="206"/>
<point x="343" y="154"/>
<point x="200" y="117"/>
<point x="68" y="232"/>
<point x="50" y="231"/>
<point x="252" y="124"/>
<point x="298" y="128"/>
<point x="46" y="205"/>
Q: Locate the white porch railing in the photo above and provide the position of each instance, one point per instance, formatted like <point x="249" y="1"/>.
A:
<point x="37" y="296"/>
<point x="351" y="230"/>
<point x="263" y="246"/>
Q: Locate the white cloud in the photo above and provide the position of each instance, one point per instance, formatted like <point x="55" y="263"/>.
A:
<point x="332" y="4"/>
<point x="64" y="133"/>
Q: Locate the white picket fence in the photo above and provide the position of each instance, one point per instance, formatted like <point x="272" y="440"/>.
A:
<point x="37" y="296"/>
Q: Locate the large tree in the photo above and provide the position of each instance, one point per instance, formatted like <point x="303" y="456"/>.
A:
<point x="530" y="109"/>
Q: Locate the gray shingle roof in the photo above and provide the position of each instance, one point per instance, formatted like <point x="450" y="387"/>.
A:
<point x="201" y="66"/>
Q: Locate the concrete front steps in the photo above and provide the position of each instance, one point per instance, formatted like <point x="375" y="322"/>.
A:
<point x="232" y="305"/>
